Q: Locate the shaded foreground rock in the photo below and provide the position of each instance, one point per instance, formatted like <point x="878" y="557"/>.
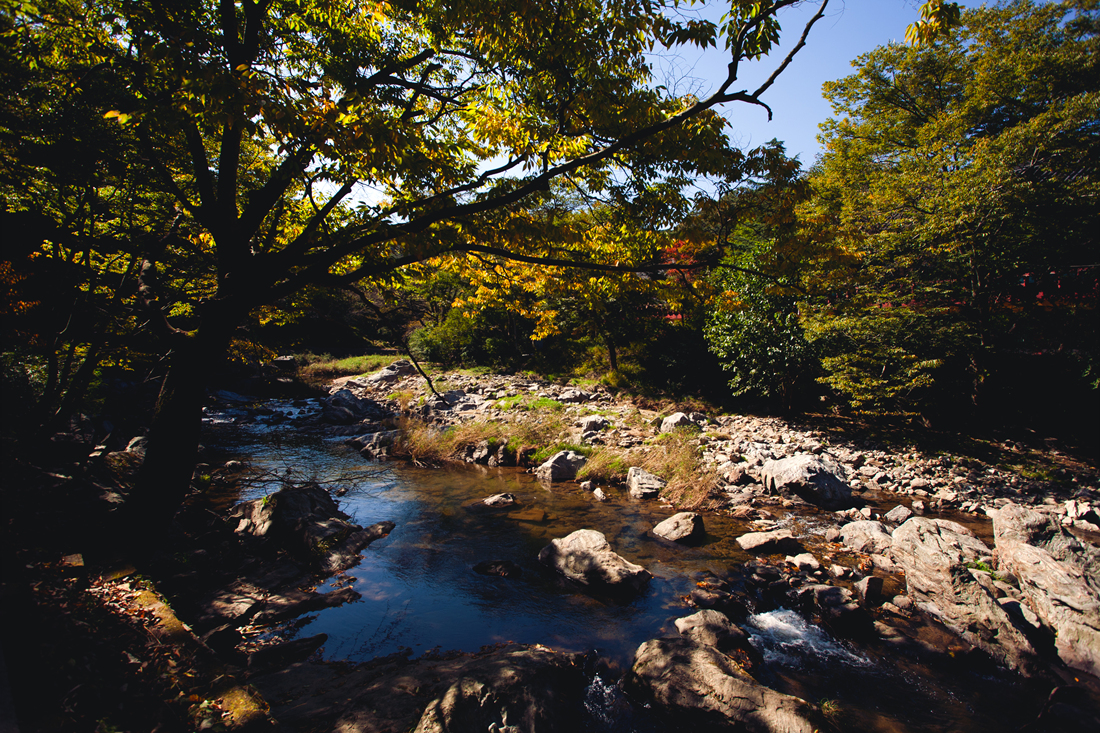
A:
<point x="934" y="554"/>
<point x="585" y="557"/>
<point x="306" y="521"/>
<point x="523" y="689"/>
<point x="700" y="683"/>
<point x="682" y="527"/>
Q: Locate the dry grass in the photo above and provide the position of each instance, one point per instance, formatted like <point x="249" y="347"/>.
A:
<point x="427" y="443"/>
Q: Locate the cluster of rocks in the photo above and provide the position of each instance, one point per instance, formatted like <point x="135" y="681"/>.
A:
<point x="738" y="448"/>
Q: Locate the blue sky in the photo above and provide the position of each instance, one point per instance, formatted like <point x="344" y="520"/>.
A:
<point x="849" y="28"/>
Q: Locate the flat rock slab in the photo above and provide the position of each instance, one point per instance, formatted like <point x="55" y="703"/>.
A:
<point x="695" y="680"/>
<point x="777" y="540"/>
<point x="585" y="557"/>
<point x="682" y="527"/>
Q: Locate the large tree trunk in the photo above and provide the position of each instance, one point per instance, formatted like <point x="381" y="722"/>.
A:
<point x="172" y="452"/>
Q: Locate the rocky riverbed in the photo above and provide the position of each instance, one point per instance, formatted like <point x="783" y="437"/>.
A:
<point x="936" y="558"/>
<point x="899" y="543"/>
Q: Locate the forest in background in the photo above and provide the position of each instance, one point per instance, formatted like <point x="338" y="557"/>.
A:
<point x="936" y="264"/>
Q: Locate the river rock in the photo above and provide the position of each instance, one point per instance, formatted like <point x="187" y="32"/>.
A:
<point x="343" y="407"/>
<point x="676" y="421"/>
<point x="934" y="553"/>
<point x="306" y="521"/>
<point x="591" y="423"/>
<point x="1015" y="523"/>
<point x="642" y="484"/>
<point x="395" y="372"/>
<point x="683" y="677"/>
<point x="712" y="628"/>
<point x="585" y="557"/>
<point x="1058" y="593"/>
<point x="777" y="540"/>
<point x="562" y="466"/>
<point x="502" y="568"/>
<point x="898" y="515"/>
<point x="815" y="479"/>
<point x="522" y="691"/>
<point x="681" y="527"/>
<point x="866" y="536"/>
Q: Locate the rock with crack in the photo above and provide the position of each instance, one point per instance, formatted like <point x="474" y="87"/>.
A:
<point x="585" y="557"/>
<point x="682" y="527"/>
<point x="816" y="479"/>
<point x="642" y="484"/>
<point x="1059" y="593"/>
<point x="934" y="554"/>
<point x="521" y="691"/>
<point x="698" y="682"/>
<point x="866" y="536"/>
<point x="562" y="466"/>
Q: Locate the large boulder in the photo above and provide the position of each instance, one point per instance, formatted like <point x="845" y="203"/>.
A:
<point x="306" y="521"/>
<point x="585" y="557"/>
<point x="698" y="682"/>
<point x="934" y="554"/>
<point x="866" y="536"/>
<point x="816" y="479"/>
<point x="682" y="527"/>
<point x="712" y="628"/>
<point x="1016" y="523"/>
<point x="676" y="421"/>
<point x="642" y="484"/>
<point x="343" y="407"/>
<point x="562" y="466"/>
<point x="1062" y="593"/>
<point x="518" y="691"/>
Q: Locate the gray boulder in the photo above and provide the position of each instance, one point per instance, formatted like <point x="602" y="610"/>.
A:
<point x="934" y="554"/>
<point x="681" y="527"/>
<point x="1062" y="594"/>
<point x="642" y="484"/>
<point x="712" y="628"/>
<point x="562" y="466"/>
<point x="395" y="372"/>
<point x="591" y="423"/>
<point x="777" y="540"/>
<point x="1013" y="522"/>
<point x="866" y="536"/>
<point x="898" y="515"/>
<point x="687" y="678"/>
<point x="816" y="479"/>
<point x="677" y="420"/>
<point x="585" y="557"/>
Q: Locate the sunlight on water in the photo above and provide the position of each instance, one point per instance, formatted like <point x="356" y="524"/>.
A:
<point x="785" y="637"/>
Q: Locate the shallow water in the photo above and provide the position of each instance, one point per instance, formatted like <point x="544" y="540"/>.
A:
<point x="419" y="590"/>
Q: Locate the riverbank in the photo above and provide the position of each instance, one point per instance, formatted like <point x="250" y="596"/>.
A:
<point x="70" y="513"/>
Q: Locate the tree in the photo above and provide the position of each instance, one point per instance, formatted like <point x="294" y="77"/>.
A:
<point x="323" y="142"/>
<point x="952" y="171"/>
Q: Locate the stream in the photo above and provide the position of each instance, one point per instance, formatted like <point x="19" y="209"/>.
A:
<point x="421" y="595"/>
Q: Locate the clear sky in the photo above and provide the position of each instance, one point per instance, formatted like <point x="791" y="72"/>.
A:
<point x="850" y="28"/>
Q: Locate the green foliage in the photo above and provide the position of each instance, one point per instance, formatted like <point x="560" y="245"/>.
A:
<point x="951" y="177"/>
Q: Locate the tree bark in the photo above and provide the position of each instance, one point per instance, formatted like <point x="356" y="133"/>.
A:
<point x="164" y="479"/>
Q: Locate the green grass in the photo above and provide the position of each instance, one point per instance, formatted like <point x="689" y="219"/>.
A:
<point x="529" y="403"/>
<point x="315" y="368"/>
